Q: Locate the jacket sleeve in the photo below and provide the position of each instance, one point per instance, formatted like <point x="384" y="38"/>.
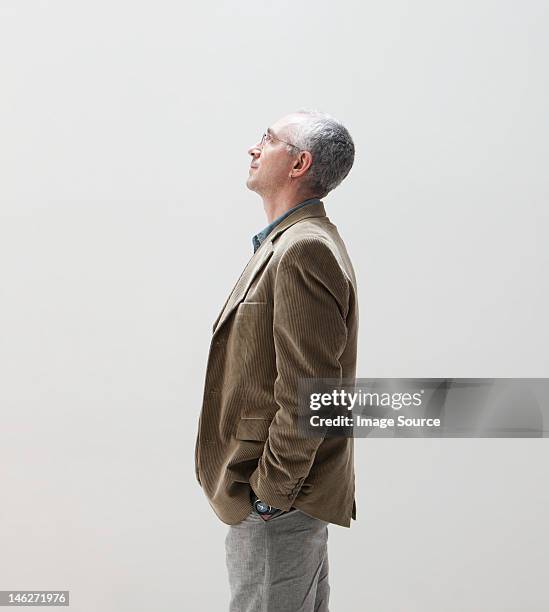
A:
<point x="311" y="298"/>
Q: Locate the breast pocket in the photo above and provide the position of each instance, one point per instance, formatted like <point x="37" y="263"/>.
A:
<point x="254" y="327"/>
<point x="252" y="320"/>
<point x="245" y="309"/>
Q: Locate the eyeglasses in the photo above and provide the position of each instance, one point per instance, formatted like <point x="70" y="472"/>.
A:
<point x="269" y="137"/>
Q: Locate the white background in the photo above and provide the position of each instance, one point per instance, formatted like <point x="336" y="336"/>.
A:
<point x="125" y="221"/>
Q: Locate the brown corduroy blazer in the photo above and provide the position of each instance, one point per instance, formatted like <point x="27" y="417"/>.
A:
<point x="292" y="314"/>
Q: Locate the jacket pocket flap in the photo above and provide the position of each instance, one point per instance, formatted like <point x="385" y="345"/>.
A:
<point x="253" y="429"/>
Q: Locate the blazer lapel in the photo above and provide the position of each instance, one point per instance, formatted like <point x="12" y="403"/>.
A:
<point x="252" y="269"/>
<point x="260" y="258"/>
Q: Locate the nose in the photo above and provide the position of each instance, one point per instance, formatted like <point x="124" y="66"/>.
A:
<point x="255" y="151"/>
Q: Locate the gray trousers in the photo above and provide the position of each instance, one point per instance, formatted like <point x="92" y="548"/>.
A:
<point x="280" y="565"/>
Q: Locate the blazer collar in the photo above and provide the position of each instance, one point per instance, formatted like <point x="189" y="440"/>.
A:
<point x="311" y="210"/>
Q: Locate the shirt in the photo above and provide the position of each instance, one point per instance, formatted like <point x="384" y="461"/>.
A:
<point x="260" y="237"/>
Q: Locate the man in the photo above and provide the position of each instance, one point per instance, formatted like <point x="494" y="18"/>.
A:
<point x="291" y="315"/>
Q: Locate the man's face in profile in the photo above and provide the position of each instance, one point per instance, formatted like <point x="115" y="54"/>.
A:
<point x="271" y="160"/>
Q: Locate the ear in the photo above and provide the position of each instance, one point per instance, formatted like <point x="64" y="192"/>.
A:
<point x="301" y="164"/>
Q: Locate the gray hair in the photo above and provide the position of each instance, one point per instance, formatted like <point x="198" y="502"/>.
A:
<point x="330" y="145"/>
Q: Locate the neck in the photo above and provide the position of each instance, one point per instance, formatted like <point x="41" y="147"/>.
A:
<point x="278" y="204"/>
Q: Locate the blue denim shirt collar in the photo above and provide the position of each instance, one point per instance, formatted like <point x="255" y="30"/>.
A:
<point x="260" y="237"/>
